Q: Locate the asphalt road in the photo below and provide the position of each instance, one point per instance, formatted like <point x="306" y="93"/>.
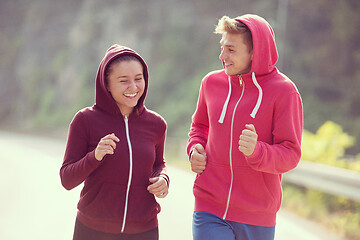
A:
<point x="34" y="205"/>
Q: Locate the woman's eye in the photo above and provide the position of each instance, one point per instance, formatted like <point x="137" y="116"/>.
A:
<point x="138" y="79"/>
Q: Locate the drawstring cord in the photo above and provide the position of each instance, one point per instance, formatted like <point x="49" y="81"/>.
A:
<point x="223" y="112"/>
<point x="258" y="103"/>
<point x="257" y="106"/>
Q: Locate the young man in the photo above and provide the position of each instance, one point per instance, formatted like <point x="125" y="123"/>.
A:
<point x="245" y="132"/>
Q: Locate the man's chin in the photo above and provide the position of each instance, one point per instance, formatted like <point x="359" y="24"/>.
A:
<point x="229" y="73"/>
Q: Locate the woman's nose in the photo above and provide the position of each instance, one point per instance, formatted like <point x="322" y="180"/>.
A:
<point x="132" y="85"/>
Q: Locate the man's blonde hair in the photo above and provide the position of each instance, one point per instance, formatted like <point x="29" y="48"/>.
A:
<point x="230" y="25"/>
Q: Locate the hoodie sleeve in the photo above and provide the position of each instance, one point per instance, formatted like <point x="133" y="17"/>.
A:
<point x="200" y="123"/>
<point x="159" y="168"/>
<point x="78" y="163"/>
<point x="285" y="152"/>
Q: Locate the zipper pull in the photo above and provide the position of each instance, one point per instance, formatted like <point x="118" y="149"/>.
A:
<point x="240" y="80"/>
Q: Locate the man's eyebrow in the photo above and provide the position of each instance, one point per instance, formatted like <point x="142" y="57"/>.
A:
<point x="226" y="45"/>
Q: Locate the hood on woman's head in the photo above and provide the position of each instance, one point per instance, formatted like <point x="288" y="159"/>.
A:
<point x="103" y="98"/>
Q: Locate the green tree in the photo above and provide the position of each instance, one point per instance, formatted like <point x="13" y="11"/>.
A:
<point x="327" y="145"/>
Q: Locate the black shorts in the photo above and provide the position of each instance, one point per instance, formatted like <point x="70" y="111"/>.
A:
<point x="82" y="232"/>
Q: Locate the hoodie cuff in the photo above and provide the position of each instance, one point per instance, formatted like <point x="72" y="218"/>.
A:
<point x="254" y="158"/>
<point x="93" y="162"/>
<point x="190" y="149"/>
<point x="166" y="178"/>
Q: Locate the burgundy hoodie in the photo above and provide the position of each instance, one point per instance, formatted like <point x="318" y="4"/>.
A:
<point x="233" y="186"/>
<point x="115" y="198"/>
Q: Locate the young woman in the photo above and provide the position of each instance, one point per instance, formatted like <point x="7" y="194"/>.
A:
<point x="116" y="148"/>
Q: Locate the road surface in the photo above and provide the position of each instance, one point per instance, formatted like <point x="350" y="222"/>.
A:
<point x="34" y="205"/>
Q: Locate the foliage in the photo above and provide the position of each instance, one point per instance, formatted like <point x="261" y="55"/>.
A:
<point x="338" y="214"/>
<point x="322" y="55"/>
<point x="50" y="52"/>
<point x="328" y="146"/>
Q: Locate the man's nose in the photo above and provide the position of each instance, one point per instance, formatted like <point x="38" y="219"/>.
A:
<point x="222" y="55"/>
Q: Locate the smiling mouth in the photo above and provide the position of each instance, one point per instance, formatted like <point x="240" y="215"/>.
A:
<point x="130" y="95"/>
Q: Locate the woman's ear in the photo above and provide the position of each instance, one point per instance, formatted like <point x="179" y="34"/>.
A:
<point x="107" y="88"/>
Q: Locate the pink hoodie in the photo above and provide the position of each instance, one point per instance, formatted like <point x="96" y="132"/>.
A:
<point x="235" y="187"/>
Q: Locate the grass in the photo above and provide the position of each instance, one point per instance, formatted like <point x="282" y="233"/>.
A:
<point x="339" y="215"/>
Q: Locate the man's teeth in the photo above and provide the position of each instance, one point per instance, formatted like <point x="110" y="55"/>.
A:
<point x="130" y="95"/>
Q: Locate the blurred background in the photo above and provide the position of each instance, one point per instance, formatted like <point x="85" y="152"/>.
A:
<point x="50" y="51"/>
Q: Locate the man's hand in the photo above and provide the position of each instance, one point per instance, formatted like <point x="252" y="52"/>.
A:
<point x="198" y="159"/>
<point x="248" y="140"/>
<point x="158" y="187"/>
<point x="105" y="146"/>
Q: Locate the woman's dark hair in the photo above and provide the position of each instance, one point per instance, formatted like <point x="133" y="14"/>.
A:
<point x="121" y="58"/>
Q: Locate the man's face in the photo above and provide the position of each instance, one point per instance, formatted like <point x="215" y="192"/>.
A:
<point x="235" y="54"/>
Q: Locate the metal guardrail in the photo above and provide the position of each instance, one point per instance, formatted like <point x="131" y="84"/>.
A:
<point x="328" y="179"/>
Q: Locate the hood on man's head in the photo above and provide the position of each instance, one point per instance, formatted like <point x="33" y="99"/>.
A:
<point x="265" y="54"/>
<point x="103" y="98"/>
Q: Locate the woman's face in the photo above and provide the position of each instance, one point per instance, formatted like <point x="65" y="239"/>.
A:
<point x="126" y="84"/>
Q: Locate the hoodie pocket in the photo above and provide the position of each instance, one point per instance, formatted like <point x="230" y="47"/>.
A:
<point x="256" y="191"/>
<point x="213" y="183"/>
<point x="105" y="202"/>
<point x="142" y="205"/>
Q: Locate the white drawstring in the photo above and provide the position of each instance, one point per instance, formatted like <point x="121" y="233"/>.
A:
<point x="257" y="106"/>
<point x="258" y="103"/>
<point x="223" y="112"/>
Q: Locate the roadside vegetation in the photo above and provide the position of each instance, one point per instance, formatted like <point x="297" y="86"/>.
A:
<point x="326" y="146"/>
<point x="340" y="215"/>
<point x="50" y="51"/>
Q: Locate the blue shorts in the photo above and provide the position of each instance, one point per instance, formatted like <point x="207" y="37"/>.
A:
<point x="207" y="226"/>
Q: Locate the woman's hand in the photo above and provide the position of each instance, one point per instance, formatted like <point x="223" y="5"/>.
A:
<point x="105" y="146"/>
<point x="158" y="187"/>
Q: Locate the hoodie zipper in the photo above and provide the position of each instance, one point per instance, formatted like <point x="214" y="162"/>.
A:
<point x="130" y="171"/>
<point x="242" y="83"/>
